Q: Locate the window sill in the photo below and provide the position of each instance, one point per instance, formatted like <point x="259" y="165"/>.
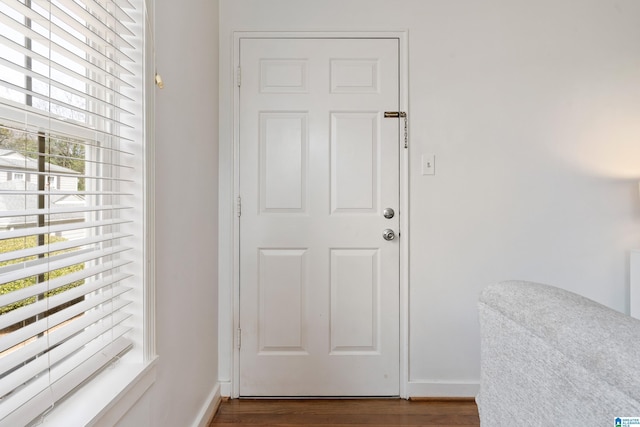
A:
<point x="106" y="398"/>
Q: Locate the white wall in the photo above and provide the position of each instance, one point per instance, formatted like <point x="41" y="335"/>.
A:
<point x="532" y="109"/>
<point x="186" y="216"/>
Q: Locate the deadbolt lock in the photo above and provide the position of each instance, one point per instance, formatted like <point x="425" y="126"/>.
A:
<point x="388" y="213"/>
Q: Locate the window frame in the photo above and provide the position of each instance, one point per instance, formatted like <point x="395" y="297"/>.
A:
<point x="112" y="392"/>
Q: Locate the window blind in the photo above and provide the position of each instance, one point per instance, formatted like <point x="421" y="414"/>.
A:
<point x="69" y="79"/>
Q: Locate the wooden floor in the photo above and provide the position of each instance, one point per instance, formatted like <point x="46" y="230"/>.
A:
<point x="352" y="413"/>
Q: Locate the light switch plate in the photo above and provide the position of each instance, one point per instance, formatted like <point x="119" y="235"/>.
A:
<point x="428" y="164"/>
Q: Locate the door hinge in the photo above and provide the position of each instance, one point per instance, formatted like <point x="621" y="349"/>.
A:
<point x="239" y="337"/>
<point x="238" y="76"/>
<point x="239" y="206"/>
<point x="398" y="115"/>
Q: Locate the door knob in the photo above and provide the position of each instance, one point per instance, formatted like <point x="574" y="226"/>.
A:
<point x="388" y="234"/>
<point x="388" y="213"/>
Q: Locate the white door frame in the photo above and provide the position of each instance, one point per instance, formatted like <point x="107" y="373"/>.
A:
<point x="229" y="223"/>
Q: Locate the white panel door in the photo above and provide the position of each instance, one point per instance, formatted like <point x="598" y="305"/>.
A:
<point x="319" y="286"/>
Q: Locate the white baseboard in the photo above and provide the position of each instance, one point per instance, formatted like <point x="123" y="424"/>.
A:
<point x="442" y="389"/>
<point x="209" y="408"/>
<point x="225" y="388"/>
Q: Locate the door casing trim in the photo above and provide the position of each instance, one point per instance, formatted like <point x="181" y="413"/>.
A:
<point x="229" y="223"/>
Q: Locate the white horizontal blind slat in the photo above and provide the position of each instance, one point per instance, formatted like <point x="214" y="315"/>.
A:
<point x="15" y="112"/>
<point x="61" y="246"/>
<point x="88" y="49"/>
<point x="40" y="326"/>
<point x="69" y="342"/>
<point x="60" y="103"/>
<point x="79" y="18"/>
<point x="69" y="110"/>
<point x="25" y="13"/>
<point x="83" y="20"/>
<point x="50" y="156"/>
<point x="124" y="4"/>
<point x="21" y="409"/>
<point x="88" y="144"/>
<point x="28" y="166"/>
<point x="59" y="228"/>
<point x="68" y="175"/>
<point x="56" y="211"/>
<point x="64" y="53"/>
<point x="58" y="85"/>
<point x="62" y="68"/>
<point x="59" y="282"/>
<point x="64" y="336"/>
<point x="57" y="300"/>
<point x="43" y="265"/>
<point x="90" y="18"/>
<point x="21" y="375"/>
<point x="61" y="193"/>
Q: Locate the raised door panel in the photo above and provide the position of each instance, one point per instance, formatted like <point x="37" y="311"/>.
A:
<point x="283" y="76"/>
<point x="354" y="301"/>
<point x="354" y="162"/>
<point x="355" y="76"/>
<point x="282" y="280"/>
<point x="283" y="162"/>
